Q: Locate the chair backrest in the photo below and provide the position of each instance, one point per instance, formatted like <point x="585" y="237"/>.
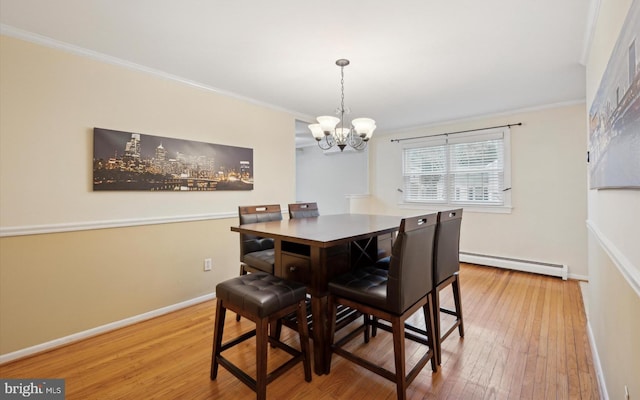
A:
<point x="303" y="210"/>
<point x="264" y="213"/>
<point x="253" y="214"/>
<point x="447" y="252"/>
<point x="411" y="266"/>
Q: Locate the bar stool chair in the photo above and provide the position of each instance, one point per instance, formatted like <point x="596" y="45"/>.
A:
<point x="261" y="298"/>
<point x="393" y="296"/>
<point x="446" y="272"/>
<point x="300" y="210"/>
<point x="345" y="314"/>
<point x="303" y="210"/>
<point x="257" y="253"/>
<point x="446" y="267"/>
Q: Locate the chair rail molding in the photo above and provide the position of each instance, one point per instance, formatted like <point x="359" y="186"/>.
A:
<point x="624" y="265"/>
<point x="121" y="223"/>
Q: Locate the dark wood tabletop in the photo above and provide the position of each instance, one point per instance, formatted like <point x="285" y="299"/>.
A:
<point x="325" y="230"/>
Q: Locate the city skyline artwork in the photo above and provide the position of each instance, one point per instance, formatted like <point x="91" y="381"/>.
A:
<point x="142" y="162"/>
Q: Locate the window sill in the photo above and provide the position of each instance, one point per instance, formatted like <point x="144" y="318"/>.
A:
<point x="467" y="208"/>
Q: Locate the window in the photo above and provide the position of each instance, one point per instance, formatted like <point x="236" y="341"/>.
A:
<point x="463" y="169"/>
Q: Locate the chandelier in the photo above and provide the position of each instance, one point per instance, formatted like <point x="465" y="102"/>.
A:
<point x="355" y="134"/>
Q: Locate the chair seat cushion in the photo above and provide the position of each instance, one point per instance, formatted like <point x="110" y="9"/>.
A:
<point x="260" y="294"/>
<point x="262" y="260"/>
<point x="257" y="244"/>
<point x="383" y="263"/>
<point x="365" y="285"/>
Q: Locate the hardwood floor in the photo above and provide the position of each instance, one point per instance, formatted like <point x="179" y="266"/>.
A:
<point x="525" y="338"/>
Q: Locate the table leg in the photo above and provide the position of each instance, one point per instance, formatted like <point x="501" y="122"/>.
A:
<point x="320" y="333"/>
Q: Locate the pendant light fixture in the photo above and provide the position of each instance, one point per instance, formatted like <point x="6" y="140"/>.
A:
<point x="333" y="131"/>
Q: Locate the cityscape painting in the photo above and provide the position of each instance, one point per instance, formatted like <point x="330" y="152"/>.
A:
<point x="614" y="118"/>
<point x="136" y="161"/>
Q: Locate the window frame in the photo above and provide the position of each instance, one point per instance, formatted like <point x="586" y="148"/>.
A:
<point x="447" y="141"/>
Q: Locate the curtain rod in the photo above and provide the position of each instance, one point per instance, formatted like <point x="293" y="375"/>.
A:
<point x="453" y="133"/>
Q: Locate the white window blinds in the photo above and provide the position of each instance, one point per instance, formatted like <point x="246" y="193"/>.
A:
<point x="424" y="172"/>
<point x="462" y="169"/>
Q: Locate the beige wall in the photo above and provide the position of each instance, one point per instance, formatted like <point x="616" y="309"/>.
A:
<point x="613" y="215"/>
<point x="55" y="285"/>
<point x="548" y="180"/>
<point x="614" y="319"/>
<point x="58" y="284"/>
<point x="51" y="100"/>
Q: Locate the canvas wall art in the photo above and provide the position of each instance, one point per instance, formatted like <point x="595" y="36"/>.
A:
<point x="136" y="161"/>
<point x="614" y="117"/>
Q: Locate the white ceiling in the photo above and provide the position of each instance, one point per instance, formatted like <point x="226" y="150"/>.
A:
<point x="413" y="62"/>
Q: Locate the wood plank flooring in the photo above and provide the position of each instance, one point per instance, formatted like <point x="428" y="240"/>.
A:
<point x="525" y="338"/>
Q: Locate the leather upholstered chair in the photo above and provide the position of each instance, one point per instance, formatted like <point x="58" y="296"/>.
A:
<point x="263" y="299"/>
<point x="446" y="267"/>
<point x="303" y="210"/>
<point x="446" y="272"/>
<point x="392" y="295"/>
<point x="345" y="315"/>
<point x="256" y="253"/>
<point x="300" y="210"/>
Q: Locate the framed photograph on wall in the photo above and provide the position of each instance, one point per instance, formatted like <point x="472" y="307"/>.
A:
<point x="136" y="161"/>
<point x="614" y="117"/>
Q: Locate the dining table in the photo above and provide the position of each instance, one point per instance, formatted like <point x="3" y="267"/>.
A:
<point x="316" y="249"/>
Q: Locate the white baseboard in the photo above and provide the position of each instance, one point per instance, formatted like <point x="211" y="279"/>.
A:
<point x="602" y="386"/>
<point x="558" y="270"/>
<point x="29" y="351"/>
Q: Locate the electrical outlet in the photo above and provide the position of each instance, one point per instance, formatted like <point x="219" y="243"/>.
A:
<point x="207" y="264"/>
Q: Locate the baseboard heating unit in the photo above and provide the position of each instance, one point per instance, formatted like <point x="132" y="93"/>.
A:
<point x="559" y="270"/>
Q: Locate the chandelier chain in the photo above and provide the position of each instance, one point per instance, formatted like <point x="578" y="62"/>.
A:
<point x="342" y="97"/>
<point x="342" y="89"/>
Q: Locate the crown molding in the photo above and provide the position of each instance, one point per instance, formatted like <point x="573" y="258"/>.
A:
<point x="589" y="30"/>
<point x="31" y="37"/>
<point x="482" y="117"/>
